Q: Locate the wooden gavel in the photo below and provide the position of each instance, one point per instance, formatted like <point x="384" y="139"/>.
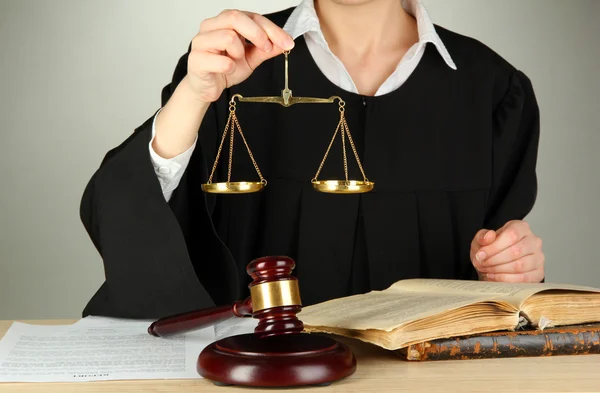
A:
<point x="274" y="300"/>
<point x="272" y="356"/>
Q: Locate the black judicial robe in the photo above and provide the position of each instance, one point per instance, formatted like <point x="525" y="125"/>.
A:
<point x="450" y="152"/>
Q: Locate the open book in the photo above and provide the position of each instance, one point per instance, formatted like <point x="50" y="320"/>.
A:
<point x="418" y="310"/>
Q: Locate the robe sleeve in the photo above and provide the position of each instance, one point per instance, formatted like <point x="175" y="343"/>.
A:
<point x="516" y="134"/>
<point x="143" y="240"/>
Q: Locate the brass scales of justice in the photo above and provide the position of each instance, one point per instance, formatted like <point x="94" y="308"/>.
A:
<point x="346" y="186"/>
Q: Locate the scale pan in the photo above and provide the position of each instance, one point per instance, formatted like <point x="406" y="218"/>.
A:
<point x="239" y="187"/>
<point x="343" y="186"/>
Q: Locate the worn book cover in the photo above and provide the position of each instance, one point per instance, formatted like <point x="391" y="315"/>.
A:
<point x="567" y="340"/>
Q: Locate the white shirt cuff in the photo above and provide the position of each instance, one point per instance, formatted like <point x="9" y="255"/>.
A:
<point x="169" y="170"/>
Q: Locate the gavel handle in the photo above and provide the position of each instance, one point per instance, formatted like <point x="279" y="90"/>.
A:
<point x="195" y="320"/>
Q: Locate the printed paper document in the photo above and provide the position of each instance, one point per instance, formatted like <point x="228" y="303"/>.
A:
<point x="97" y="349"/>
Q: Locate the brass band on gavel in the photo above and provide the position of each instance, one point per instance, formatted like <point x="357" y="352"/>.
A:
<point x="275" y="294"/>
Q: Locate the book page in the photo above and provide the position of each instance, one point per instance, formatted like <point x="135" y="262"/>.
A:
<point x="512" y="293"/>
<point x="384" y="310"/>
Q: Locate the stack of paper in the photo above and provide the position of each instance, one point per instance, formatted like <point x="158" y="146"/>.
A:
<point x="96" y="349"/>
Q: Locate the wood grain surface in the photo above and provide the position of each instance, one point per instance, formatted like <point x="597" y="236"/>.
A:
<point x="381" y="371"/>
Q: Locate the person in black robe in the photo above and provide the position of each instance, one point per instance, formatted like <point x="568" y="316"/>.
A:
<point x="452" y="153"/>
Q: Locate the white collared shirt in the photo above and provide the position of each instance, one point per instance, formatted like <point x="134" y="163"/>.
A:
<point x="303" y="21"/>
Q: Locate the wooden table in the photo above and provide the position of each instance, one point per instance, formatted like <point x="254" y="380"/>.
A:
<point x="381" y="371"/>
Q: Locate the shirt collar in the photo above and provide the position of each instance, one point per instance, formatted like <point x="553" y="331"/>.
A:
<point x="304" y="20"/>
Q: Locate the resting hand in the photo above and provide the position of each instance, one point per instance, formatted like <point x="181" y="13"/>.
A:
<point x="510" y="254"/>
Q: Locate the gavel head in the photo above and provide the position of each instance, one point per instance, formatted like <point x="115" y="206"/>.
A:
<point x="275" y="296"/>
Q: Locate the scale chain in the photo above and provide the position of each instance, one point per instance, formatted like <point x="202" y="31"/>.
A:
<point x="328" y="149"/>
<point x="362" y="171"/>
<point x="232" y="122"/>
<point x="214" y="168"/>
<point x="262" y="179"/>
<point x="231" y="137"/>
<point x="344" y="145"/>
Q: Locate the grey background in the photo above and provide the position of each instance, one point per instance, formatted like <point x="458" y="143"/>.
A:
<point x="76" y="78"/>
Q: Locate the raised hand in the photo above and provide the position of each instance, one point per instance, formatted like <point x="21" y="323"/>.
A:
<point x="220" y="57"/>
